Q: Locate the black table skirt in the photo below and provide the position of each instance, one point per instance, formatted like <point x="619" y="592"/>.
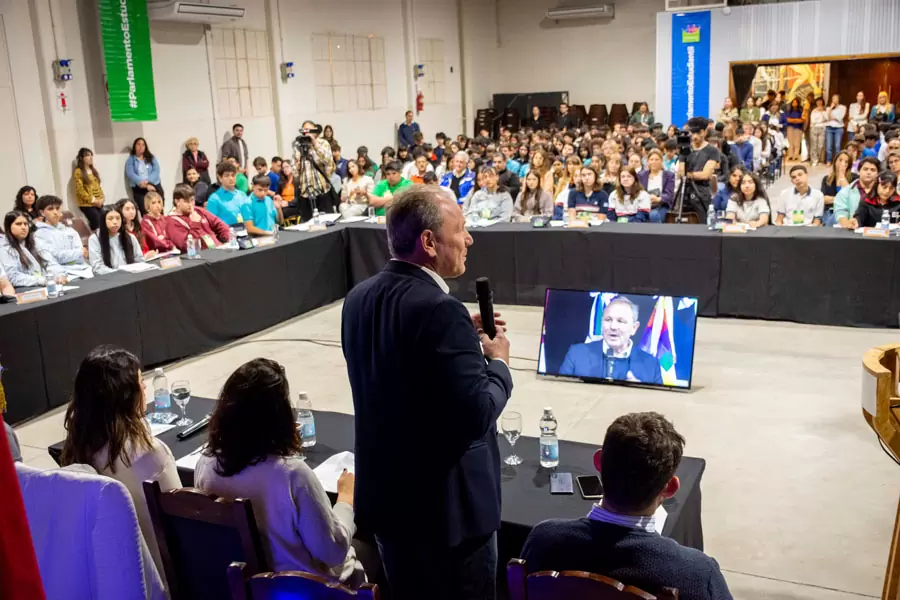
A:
<point x="809" y="275"/>
<point x="525" y="489"/>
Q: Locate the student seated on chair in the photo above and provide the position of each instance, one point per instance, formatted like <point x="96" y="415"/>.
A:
<point x="264" y="215"/>
<point x="383" y="194"/>
<point x="63" y="242"/>
<point x="870" y="210"/>
<point x="618" y="539"/>
<point x="253" y="452"/>
<point x="801" y="204"/>
<point x="228" y="202"/>
<point x="111" y="246"/>
<point x="27" y="263"/>
<point x="189" y="219"/>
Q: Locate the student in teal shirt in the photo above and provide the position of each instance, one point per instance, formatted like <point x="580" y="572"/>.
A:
<point x="228" y="202"/>
<point x="264" y="217"/>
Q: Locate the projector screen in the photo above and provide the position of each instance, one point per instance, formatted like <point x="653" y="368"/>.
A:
<point x="619" y="338"/>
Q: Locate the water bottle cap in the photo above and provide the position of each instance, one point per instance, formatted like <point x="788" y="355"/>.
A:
<point x="548" y="409"/>
<point x="302" y="396"/>
<point x="157" y="371"/>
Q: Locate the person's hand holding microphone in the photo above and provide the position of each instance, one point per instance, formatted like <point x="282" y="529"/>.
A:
<point x="494" y="342"/>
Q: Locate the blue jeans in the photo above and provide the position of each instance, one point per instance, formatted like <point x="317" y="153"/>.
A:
<point x="416" y="568"/>
<point x="658" y="214"/>
<point x="833" y="137"/>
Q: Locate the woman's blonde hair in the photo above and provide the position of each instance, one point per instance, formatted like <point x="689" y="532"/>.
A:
<point x="883" y="94"/>
<point x="191" y="140"/>
<point x="149" y="197"/>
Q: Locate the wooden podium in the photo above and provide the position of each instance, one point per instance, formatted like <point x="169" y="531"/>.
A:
<point x="881" y="410"/>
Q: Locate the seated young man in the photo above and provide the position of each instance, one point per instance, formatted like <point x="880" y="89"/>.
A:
<point x="383" y="194"/>
<point x="259" y="163"/>
<point x="801" y="204"/>
<point x="240" y="179"/>
<point x="274" y="174"/>
<point x="264" y="215"/>
<point x="228" y="202"/>
<point x="188" y="219"/>
<point x="62" y="242"/>
<point x="618" y="539"/>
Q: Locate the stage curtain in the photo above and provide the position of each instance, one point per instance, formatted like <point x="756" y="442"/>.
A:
<point x="743" y="75"/>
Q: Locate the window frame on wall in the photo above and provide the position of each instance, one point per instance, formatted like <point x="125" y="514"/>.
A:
<point x="350" y="72"/>
<point x="242" y="77"/>
<point x="433" y="84"/>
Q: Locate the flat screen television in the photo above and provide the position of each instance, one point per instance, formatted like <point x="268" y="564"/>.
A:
<point x="607" y="337"/>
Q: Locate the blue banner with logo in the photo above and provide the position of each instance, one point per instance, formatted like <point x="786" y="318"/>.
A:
<point x="690" y="66"/>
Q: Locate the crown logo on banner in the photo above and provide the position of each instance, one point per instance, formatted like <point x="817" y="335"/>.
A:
<point x="690" y="34"/>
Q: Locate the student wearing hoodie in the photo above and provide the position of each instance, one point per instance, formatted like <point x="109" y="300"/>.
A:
<point x="62" y="242"/>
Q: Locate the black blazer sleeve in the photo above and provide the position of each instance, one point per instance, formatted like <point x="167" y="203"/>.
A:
<point x="474" y="392"/>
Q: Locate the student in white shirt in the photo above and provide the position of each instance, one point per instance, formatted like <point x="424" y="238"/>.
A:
<point x="749" y="204"/>
<point x="111" y="246"/>
<point x="105" y="428"/>
<point x="253" y="453"/>
<point x="801" y="204"/>
<point x="27" y="264"/>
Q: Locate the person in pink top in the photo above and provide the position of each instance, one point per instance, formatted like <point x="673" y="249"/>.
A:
<point x="189" y="219"/>
<point x="153" y="225"/>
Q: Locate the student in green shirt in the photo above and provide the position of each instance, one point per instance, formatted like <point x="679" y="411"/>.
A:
<point x="240" y="180"/>
<point x="383" y="193"/>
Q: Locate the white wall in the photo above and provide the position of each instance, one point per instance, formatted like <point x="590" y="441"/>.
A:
<point x="602" y="62"/>
<point x="184" y="82"/>
<point x="779" y="31"/>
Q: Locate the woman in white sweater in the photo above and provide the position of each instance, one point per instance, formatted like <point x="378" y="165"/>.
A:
<point x="105" y="429"/>
<point x="252" y="453"/>
<point x="111" y="246"/>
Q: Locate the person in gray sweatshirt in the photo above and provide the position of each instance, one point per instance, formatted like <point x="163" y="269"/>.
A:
<point x="61" y="241"/>
<point x="488" y="202"/>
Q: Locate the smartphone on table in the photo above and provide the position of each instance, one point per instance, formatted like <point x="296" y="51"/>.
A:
<point x="590" y="486"/>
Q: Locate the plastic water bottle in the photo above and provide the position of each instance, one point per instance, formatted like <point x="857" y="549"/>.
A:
<point x="711" y="217"/>
<point x="191" y="249"/>
<point x="549" y="440"/>
<point x="52" y="286"/>
<point x="232" y="239"/>
<point x="886" y="220"/>
<point x="306" y="421"/>
<point x="162" y="399"/>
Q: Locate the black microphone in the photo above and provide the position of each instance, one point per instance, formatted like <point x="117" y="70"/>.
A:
<point x="610" y="363"/>
<point x="486" y="305"/>
<point x="201" y="424"/>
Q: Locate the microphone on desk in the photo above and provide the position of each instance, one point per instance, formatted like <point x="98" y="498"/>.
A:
<point x="486" y="305"/>
<point x="201" y="424"/>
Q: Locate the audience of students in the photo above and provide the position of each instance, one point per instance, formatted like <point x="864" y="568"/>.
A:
<point x="619" y="539"/>
<point x="26" y="263"/>
<point x="111" y="246"/>
<point x="88" y="192"/>
<point x="254" y="452"/>
<point x="62" y="242"/>
<point x="105" y="428"/>
<point x="142" y="172"/>
<point x="188" y="219"/>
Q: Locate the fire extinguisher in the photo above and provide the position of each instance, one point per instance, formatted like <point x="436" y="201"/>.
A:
<point x="420" y="102"/>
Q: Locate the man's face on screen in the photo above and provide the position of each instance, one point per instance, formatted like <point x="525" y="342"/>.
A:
<point x="618" y="325"/>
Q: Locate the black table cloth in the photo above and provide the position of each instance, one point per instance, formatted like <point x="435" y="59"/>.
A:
<point x="525" y="488"/>
<point x="809" y="275"/>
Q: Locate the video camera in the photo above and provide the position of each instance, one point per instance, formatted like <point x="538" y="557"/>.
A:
<point x="683" y="136"/>
<point x="303" y="143"/>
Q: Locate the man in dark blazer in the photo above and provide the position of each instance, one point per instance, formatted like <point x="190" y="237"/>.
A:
<point x="426" y="398"/>
<point x="616" y="356"/>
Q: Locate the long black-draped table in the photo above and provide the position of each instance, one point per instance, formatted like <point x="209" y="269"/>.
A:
<point x="525" y="489"/>
<point x="809" y="275"/>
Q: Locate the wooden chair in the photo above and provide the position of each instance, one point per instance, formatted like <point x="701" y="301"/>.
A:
<point x="572" y="585"/>
<point x="580" y="112"/>
<point x="199" y="535"/>
<point x="618" y="113"/>
<point x="78" y="224"/>
<point x="291" y="585"/>
<point x="598" y="114"/>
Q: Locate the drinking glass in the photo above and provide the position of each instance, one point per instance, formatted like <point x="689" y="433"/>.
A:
<point x="181" y="394"/>
<point x="511" y="425"/>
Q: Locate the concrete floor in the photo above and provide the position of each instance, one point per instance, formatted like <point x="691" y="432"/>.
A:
<point x="798" y="499"/>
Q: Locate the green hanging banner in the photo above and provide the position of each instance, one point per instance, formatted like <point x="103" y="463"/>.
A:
<point x="129" y="65"/>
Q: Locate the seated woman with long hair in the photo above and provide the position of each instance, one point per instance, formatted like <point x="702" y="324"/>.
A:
<point x="629" y="200"/>
<point x="154" y="225"/>
<point x="131" y="217"/>
<point x="252" y="453"/>
<point x="105" y="428"/>
<point x="749" y="204"/>
<point x="110" y="246"/>
<point x="533" y="200"/>
<point x="26" y="264"/>
<point x="26" y="202"/>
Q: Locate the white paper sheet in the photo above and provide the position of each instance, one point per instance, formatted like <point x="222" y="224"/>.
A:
<point x="354" y="219"/>
<point x="79" y="271"/>
<point x="140" y="267"/>
<point x="157" y="429"/>
<point x="330" y="470"/>
<point x="298" y="227"/>
<point x="190" y="461"/>
<point x="69" y="288"/>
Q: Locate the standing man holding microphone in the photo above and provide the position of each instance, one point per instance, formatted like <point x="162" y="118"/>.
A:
<point x="428" y="386"/>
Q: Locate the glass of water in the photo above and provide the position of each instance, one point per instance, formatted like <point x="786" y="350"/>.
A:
<point x="511" y="426"/>
<point x="181" y="394"/>
<point x="371" y="211"/>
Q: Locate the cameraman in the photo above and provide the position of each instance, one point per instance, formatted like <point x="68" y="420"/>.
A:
<point x="700" y="167"/>
<point x="311" y="159"/>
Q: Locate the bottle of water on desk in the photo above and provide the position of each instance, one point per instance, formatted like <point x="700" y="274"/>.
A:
<point x="162" y="398"/>
<point x="549" y="440"/>
<point x="191" y="248"/>
<point x="305" y="420"/>
<point x="711" y="217"/>
<point x="52" y="286"/>
<point x="885" y="220"/>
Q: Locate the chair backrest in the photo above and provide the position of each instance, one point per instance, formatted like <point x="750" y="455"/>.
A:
<point x="572" y="585"/>
<point x="78" y="224"/>
<point x="291" y="584"/>
<point x="618" y="113"/>
<point x="199" y="535"/>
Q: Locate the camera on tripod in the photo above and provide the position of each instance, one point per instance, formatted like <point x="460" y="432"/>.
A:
<point x="303" y="143"/>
